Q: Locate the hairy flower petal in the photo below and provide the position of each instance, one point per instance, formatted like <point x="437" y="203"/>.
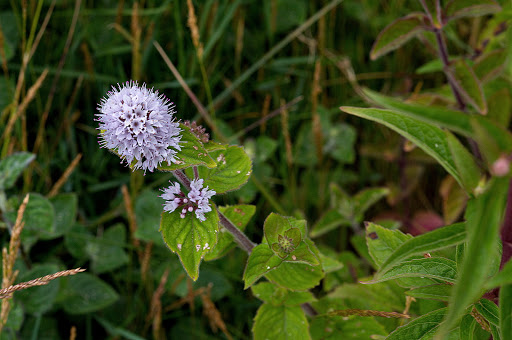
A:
<point x="138" y="124"/>
<point x="197" y="200"/>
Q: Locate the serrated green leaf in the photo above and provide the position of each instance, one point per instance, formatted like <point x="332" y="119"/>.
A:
<point x="148" y="207"/>
<point x="435" y="240"/>
<point x="382" y="242"/>
<point x="38" y="300"/>
<point x="297" y="276"/>
<point x="433" y="267"/>
<point x="65" y="206"/>
<point x="429" y="138"/>
<point x="261" y="261"/>
<point x="505" y="312"/>
<point x="76" y="240"/>
<point x="107" y="253"/>
<point x="483" y="220"/>
<point x="302" y="254"/>
<point x="468" y="85"/>
<point x="85" y="293"/>
<point x="294" y="235"/>
<point x="280" y="322"/>
<point x="190" y="238"/>
<point x="380" y="296"/>
<point x="349" y="328"/>
<point x="39" y="219"/>
<point x="233" y="169"/>
<point x="12" y="167"/>
<point x="339" y="142"/>
<point x="465" y="163"/>
<point x="436" y="292"/>
<point x="276" y="225"/>
<point x="214" y="146"/>
<point x="329" y="264"/>
<point x="397" y="33"/>
<point x="490" y="65"/>
<point x="470" y="8"/>
<point x="331" y="220"/>
<point x="277" y="296"/>
<point x="192" y="153"/>
<point x="420" y="328"/>
<point x="239" y="215"/>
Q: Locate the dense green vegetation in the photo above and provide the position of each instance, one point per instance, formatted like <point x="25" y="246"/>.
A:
<point x="270" y="76"/>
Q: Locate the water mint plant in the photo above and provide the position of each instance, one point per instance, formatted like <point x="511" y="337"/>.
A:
<point x="262" y="203"/>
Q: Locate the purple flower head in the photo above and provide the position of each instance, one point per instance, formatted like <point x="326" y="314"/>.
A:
<point x="138" y="124"/>
<point x="197" y="199"/>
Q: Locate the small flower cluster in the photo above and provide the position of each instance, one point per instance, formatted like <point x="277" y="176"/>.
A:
<point x="138" y="123"/>
<point x="197" y="199"/>
<point x="198" y="131"/>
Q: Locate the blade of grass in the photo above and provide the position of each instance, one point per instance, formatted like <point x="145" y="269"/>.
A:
<point x="237" y="82"/>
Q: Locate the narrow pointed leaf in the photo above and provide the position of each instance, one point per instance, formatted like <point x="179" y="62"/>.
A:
<point x="490" y="65"/>
<point x="420" y="328"/>
<point x="465" y="163"/>
<point x="483" y="220"/>
<point x="364" y="199"/>
<point x="442" y="117"/>
<point x="192" y="153"/>
<point x="433" y="268"/>
<point x="503" y="277"/>
<point x="470" y="8"/>
<point x="489" y="311"/>
<point x="330" y="221"/>
<point x="467" y="327"/>
<point x="436" y="292"/>
<point x="396" y="34"/>
<point x="468" y="85"/>
<point x="435" y="240"/>
<point x="189" y="237"/>
<point x="505" y="312"/>
<point x="429" y="138"/>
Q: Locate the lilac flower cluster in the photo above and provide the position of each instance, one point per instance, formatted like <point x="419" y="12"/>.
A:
<point x="197" y="199"/>
<point x="138" y="123"/>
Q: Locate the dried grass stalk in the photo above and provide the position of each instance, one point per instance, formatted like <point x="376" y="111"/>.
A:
<point x="192" y="24"/>
<point x="8" y="259"/>
<point x="365" y="312"/>
<point x="40" y="281"/>
<point x="56" y="187"/>
<point x="213" y="314"/>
